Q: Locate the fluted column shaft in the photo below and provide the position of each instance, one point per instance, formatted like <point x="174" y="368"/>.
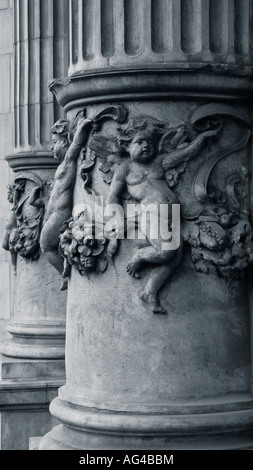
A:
<point x="135" y="32"/>
<point x="41" y="51"/>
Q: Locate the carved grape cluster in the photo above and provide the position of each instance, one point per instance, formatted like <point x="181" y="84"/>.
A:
<point x="24" y="241"/>
<point x="224" y="244"/>
<point x="79" y="246"/>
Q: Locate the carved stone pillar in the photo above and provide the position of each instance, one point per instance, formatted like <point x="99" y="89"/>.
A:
<point x="158" y="339"/>
<point x="37" y="325"/>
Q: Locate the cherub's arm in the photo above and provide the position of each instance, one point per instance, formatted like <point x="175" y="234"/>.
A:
<point x="82" y="132"/>
<point x="65" y="173"/>
<point x="182" y="155"/>
<point x="118" y="185"/>
<point x="36" y="198"/>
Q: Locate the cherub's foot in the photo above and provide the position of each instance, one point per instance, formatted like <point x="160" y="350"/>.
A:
<point x="153" y="301"/>
<point x="133" y="269"/>
<point x="64" y="284"/>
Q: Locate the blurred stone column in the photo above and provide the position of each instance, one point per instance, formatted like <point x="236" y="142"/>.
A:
<point x="37" y="325"/>
<point x="32" y="365"/>
<point x="183" y="379"/>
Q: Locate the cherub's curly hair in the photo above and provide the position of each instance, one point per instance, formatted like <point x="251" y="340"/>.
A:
<point x="127" y="132"/>
<point x="61" y="128"/>
<point x="65" y="128"/>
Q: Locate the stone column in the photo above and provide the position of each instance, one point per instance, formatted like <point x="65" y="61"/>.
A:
<point x="37" y="324"/>
<point x="158" y="342"/>
<point x="32" y="366"/>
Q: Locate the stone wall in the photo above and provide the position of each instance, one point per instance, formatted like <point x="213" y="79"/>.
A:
<point x="6" y="147"/>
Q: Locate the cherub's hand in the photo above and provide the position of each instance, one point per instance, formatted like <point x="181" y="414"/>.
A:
<point x="35" y="198"/>
<point x="214" y="132"/>
<point x="82" y="125"/>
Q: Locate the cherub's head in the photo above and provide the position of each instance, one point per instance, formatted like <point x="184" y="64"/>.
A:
<point x="60" y="132"/>
<point x="142" y="147"/>
<point x="140" y="140"/>
<point x="10" y="193"/>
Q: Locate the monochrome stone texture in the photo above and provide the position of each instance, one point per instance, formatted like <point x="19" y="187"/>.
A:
<point x="158" y="341"/>
<point x="152" y="115"/>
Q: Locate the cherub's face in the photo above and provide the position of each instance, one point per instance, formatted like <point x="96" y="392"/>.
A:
<point x="10" y="194"/>
<point x="59" y="147"/>
<point x="142" y="148"/>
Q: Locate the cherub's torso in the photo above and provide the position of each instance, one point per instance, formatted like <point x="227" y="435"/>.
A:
<point x="146" y="181"/>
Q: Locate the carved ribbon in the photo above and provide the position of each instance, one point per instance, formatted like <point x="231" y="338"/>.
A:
<point x="200" y="119"/>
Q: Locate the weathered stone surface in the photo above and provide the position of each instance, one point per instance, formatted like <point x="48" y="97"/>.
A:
<point x="26" y="389"/>
<point x="37" y="319"/>
<point x="161" y="362"/>
<point x="137" y="33"/>
<point x="4" y="4"/>
<point x="161" y="365"/>
<point x="40" y="32"/>
<point x="34" y="443"/>
<point x="37" y="323"/>
<point x="5" y="84"/>
<point x="5" y="292"/>
<point x="6" y="30"/>
<point x="28" y="369"/>
<point x="6" y="138"/>
<point x="4" y="177"/>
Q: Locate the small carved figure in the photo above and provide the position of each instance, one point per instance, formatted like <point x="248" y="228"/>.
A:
<point x="59" y="209"/>
<point x="143" y="176"/>
<point x="23" y="227"/>
<point x="11" y="227"/>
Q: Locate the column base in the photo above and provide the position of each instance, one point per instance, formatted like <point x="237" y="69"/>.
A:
<point x="35" y="342"/>
<point x="26" y="389"/>
<point x="94" y="429"/>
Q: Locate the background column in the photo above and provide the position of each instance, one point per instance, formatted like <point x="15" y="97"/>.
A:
<point x="32" y="364"/>
<point x="41" y="50"/>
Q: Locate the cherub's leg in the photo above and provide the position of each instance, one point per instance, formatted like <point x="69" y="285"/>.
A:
<point x="66" y="268"/>
<point x="157" y="278"/>
<point x="154" y="253"/>
<point x="148" y="254"/>
<point x="55" y="259"/>
<point x="49" y="241"/>
<point x="14" y="261"/>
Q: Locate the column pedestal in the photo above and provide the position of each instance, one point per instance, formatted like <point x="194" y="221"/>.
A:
<point x="157" y="351"/>
<point x="26" y="389"/>
<point x="37" y="325"/>
<point x="35" y="368"/>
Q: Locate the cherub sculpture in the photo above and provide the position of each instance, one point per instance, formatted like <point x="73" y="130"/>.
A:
<point x="138" y="165"/>
<point x="59" y="209"/>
